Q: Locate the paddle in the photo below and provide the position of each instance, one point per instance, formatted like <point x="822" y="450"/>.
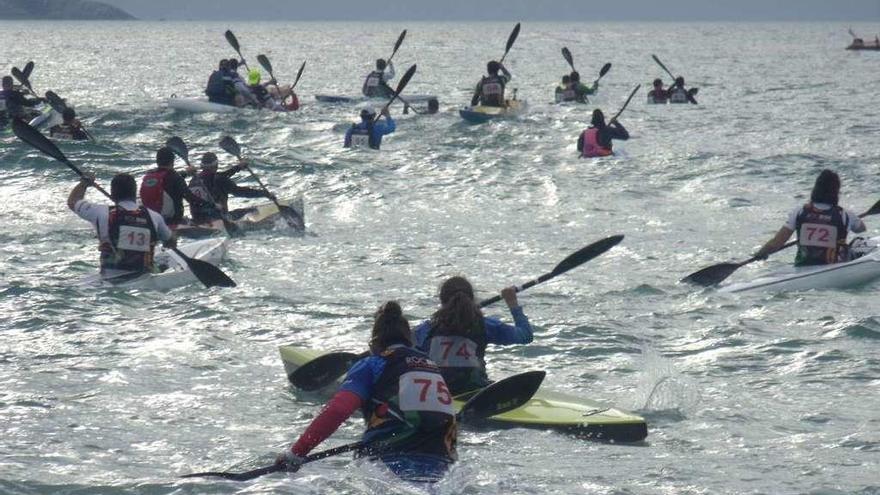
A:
<point x="626" y="104"/>
<point x="58" y="104"/>
<point x="207" y="273"/>
<point x="292" y="217"/>
<point x="499" y="397"/>
<point x="715" y="274"/>
<point x="400" y="86"/>
<point x="566" y="54"/>
<point x="233" y="41"/>
<point x="22" y="79"/>
<point x="604" y="70"/>
<point x="396" y="46"/>
<point x="179" y="147"/>
<point x="510" y="41"/>
<point x="28" y="68"/>
<point x="325" y="369"/>
<point x="690" y="95"/>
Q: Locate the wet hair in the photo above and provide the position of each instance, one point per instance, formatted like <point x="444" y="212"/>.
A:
<point x="598" y="119"/>
<point x="493" y="67"/>
<point x="165" y="157"/>
<point x="679" y="81"/>
<point x="575" y="76"/>
<point x="827" y="188"/>
<point x="7" y="81"/>
<point x="123" y="187"/>
<point x="658" y="82"/>
<point x="433" y="105"/>
<point x="224" y="64"/>
<point x="367" y="114"/>
<point x="68" y="114"/>
<point x="232" y="64"/>
<point x="381" y="64"/>
<point x="389" y="327"/>
<point x="566" y="79"/>
<point x="459" y="314"/>
<point x="209" y="160"/>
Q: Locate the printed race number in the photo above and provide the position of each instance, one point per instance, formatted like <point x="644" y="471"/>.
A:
<point x="819" y="235"/>
<point x="492" y="89"/>
<point x="134" y="238"/>
<point x="423" y="391"/>
<point x="454" y="352"/>
<point x="360" y="141"/>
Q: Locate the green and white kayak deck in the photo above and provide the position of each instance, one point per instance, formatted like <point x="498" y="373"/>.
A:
<point x="583" y="418"/>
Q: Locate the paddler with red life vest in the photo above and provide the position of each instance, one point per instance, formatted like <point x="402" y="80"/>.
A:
<point x="490" y="89"/>
<point x="821" y="226"/>
<point x="408" y="409"/>
<point x="596" y="140"/>
<point x="216" y="187"/>
<point x="163" y="189"/>
<point x="127" y="233"/>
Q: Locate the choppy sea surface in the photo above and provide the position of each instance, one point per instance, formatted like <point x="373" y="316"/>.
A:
<point x="121" y="392"/>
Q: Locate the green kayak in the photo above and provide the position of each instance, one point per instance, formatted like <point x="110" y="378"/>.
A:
<point x="546" y="410"/>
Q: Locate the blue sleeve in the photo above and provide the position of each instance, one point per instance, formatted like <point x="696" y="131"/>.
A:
<point x="503" y="334"/>
<point x="387" y="127"/>
<point x="421" y="335"/>
<point x="362" y="376"/>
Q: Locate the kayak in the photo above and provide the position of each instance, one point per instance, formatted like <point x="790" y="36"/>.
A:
<point x="863" y="47"/>
<point x="199" y="105"/>
<point x="261" y="216"/>
<point x="174" y="272"/>
<point x="47" y="118"/>
<point x="378" y="100"/>
<point x="480" y="114"/>
<point x="835" y="276"/>
<point x="583" y="418"/>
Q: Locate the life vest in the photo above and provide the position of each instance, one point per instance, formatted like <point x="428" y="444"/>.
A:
<point x="153" y="194"/>
<point x="678" y="95"/>
<point x="363" y="137"/>
<point x="411" y="410"/>
<point x="565" y="93"/>
<point x="592" y="148"/>
<point x="373" y="85"/>
<point x="68" y="131"/>
<point x="658" y="96"/>
<point x="492" y="91"/>
<point x="203" y="185"/>
<point x="462" y="360"/>
<point x="2" y="101"/>
<point x="131" y="240"/>
<point x="220" y="88"/>
<point x="821" y="236"/>
<point x="261" y="93"/>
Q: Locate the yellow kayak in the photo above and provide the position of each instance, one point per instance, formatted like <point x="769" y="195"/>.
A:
<point x="261" y="216"/>
<point x="546" y="410"/>
<point x="480" y="113"/>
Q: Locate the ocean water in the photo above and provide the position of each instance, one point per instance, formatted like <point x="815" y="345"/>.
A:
<point x="122" y="392"/>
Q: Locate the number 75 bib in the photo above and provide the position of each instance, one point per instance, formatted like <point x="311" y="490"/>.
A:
<point x="424" y="391"/>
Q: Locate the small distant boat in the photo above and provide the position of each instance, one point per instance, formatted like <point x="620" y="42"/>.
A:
<point x="859" y="43"/>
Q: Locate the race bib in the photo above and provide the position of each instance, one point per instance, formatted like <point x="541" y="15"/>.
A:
<point x="423" y="391"/>
<point x="201" y="192"/>
<point x="373" y="81"/>
<point x="678" y="97"/>
<point x="818" y="235"/>
<point x="492" y="89"/>
<point x="134" y="238"/>
<point x="360" y="141"/>
<point x="454" y="352"/>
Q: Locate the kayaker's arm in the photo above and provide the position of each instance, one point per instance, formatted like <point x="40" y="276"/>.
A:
<point x="79" y="191"/>
<point x="776" y="243"/>
<point x="386" y="127"/>
<point x="503" y="334"/>
<point x="389" y="72"/>
<point x="617" y="131"/>
<point x="476" y="98"/>
<point x="341" y="407"/>
<point x="580" y="143"/>
<point x="505" y="73"/>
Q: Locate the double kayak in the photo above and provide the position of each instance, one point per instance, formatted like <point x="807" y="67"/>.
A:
<point x="860" y="271"/>
<point x="262" y="216"/>
<point x="365" y="99"/>
<point x="480" y="113"/>
<point x="172" y="269"/>
<point x="583" y="418"/>
<point x="199" y="105"/>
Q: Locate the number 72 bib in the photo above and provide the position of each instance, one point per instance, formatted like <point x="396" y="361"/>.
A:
<point x="818" y="235"/>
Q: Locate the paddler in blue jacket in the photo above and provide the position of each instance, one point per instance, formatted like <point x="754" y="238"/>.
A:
<point x="368" y="133"/>
<point x="408" y="409"/>
<point x="457" y="334"/>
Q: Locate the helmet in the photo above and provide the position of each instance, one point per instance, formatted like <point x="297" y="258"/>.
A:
<point x="254" y="77"/>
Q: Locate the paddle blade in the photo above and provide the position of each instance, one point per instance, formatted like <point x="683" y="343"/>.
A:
<point x="397" y="44"/>
<point x="502" y="396"/>
<point x="245" y="476"/>
<point x="233" y="41"/>
<point x="712" y="275"/>
<point x="264" y="61"/>
<point x="28" y="68"/>
<point x="322" y="371"/>
<point x="586" y="254"/>
<point x="662" y="66"/>
<point x="604" y="70"/>
<point x="229" y="145"/>
<point x="405" y="80"/>
<point x="293" y="218"/>
<point x="56" y="102"/>
<point x="512" y="38"/>
<point x="34" y="138"/>
<point x="872" y="211"/>
<point x="178" y="146"/>
<point x="566" y="54"/>
<point x="299" y="74"/>
<point x="208" y="274"/>
<point x="22" y="78"/>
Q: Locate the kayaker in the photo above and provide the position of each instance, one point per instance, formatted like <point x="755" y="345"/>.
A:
<point x="243" y="95"/>
<point x="564" y="92"/>
<point x="490" y="89"/>
<point x="581" y="91"/>
<point x="215" y="187"/>
<point x="376" y="82"/>
<point x="70" y="128"/>
<point x="163" y="189"/>
<point x="406" y="404"/>
<point x="221" y="85"/>
<point x="821" y="226"/>
<point x="261" y="94"/>
<point x="13" y="102"/>
<point x="658" y="94"/>
<point x="678" y="94"/>
<point x="369" y="132"/>
<point x="457" y="334"/>
<point x="127" y="233"/>
<point x="596" y="140"/>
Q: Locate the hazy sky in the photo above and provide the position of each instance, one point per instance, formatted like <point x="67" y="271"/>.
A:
<point x="574" y="10"/>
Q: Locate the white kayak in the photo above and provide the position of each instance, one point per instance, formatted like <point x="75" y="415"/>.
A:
<point x="835" y="276"/>
<point x="378" y="100"/>
<point x="199" y="105"/>
<point x="174" y="272"/>
<point x="47" y="118"/>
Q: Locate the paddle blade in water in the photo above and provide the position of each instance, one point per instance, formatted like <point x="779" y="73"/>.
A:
<point x="179" y="147"/>
<point x="503" y="395"/>
<point x="712" y="275"/>
<point x="322" y="371"/>
<point x="34" y="138"/>
<point x="872" y="211"/>
<point x="293" y="218"/>
<point x="229" y="145"/>
<point x="245" y="476"/>
<point x="208" y="274"/>
<point x="586" y="254"/>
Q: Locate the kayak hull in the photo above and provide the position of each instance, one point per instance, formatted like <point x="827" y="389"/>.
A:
<point x="176" y="273"/>
<point x="260" y="217"/>
<point x="199" y="105"/>
<point x="480" y="114"/>
<point x="364" y="99"/>
<point x="861" y="271"/>
<point x="583" y="418"/>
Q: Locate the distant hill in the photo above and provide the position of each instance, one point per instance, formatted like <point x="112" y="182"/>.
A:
<point x="60" y="9"/>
